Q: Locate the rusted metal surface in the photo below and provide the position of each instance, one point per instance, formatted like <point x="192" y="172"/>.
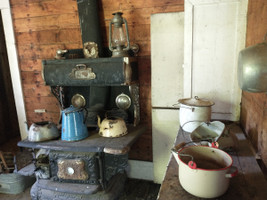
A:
<point x="47" y="189"/>
<point x="89" y="23"/>
<point x="94" y="143"/>
<point x="108" y="71"/>
<point x="82" y="72"/>
<point x="73" y="169"/>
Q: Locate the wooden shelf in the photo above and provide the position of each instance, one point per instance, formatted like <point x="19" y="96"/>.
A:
<point x="249" y="184"/>
<point x="93" y="143"/>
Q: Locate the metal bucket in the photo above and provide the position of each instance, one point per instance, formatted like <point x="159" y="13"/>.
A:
<point x="73" y="124"/>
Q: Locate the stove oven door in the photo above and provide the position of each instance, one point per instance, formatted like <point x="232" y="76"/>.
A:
<point x="75" y="167"/>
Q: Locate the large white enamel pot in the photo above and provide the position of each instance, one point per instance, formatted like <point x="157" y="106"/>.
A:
<point x="194" y="111"/>
<point x="204" y="171"/>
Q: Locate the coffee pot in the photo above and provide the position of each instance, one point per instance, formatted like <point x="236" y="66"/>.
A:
<point x="73" y="124"/>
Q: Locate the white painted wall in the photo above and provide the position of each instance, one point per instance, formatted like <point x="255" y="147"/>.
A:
<point x="14" y="66"/>
<point x="215" y="32"/>
<point x="140" y="170"/>
<point x="167" y="36"/>
<point x="165" y="129"/>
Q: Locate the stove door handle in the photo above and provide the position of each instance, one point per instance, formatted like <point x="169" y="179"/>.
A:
<point x="82" y="72"/>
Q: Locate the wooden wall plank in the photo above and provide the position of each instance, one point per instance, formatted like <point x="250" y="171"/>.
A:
<point x="50" y="104"/>
<point x="142" y="148"/>
<point x="33" y="77"/>
<point x="144" y="71"/>
<point x="44" y="8"/>
<point x="252" y="116"/>
<point x="33" y="51"/>
<point x="39" y="117"/>
<point x="263" y="138"/>
<point x="19" y="2"/>
<point x="111" y="5"/>
<point x="70" y="35"/>
<point x="50" y="22"/>
<point x="140" y="15"/>
<point x="32" y="64"/>
<point x="36" y="90"/>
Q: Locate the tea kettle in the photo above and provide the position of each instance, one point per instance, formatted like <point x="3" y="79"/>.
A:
<point x="42" y="131"/>
<point x="73" y="124"/>
<point x="112" y="127"/>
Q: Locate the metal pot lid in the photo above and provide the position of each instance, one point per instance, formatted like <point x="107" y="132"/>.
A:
<point x="196" y="102"/>
<point x="123" y="101"/>
<point x="78" y="101"/>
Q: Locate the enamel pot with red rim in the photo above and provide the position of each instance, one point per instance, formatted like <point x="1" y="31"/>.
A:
<point x="204" y="171"/>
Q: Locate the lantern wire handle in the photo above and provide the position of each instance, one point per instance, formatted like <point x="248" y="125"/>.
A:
<point x="127" y="35"/>
<point x="110" y="30"/>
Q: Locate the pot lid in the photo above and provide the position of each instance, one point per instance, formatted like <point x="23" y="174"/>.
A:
<point x="196" y="102"/>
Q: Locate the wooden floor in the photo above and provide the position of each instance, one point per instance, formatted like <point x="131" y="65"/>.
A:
<point x="140" y="190"/>
<point x="134" y="190"/>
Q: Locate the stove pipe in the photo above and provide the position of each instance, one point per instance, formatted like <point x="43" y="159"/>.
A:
<point x="90" y="23"/>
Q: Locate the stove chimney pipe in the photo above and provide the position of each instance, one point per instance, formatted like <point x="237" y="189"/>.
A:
<point x="89" y="23"/>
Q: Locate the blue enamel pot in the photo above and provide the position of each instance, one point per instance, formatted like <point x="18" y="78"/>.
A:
<point x="73" y="124"/>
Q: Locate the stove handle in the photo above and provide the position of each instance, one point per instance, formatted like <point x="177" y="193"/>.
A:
<point x="82" y="72"/>
<point x="101" y="171"/>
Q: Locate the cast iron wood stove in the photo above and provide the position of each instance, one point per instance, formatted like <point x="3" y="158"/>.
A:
<point x="95" y="167"/>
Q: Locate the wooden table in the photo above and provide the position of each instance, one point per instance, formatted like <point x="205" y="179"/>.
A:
<point x="249" y="184"/>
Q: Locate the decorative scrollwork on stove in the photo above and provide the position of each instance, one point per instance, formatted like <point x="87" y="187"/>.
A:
<point x="134" y="90"/>
<point x="58" y="92"/>
<point x="115" y="164"/>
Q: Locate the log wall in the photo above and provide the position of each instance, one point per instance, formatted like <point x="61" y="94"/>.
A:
<point x="43" y="26"/>
<point x="254" y="105"/>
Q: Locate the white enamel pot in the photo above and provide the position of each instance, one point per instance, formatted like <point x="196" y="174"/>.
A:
<point x="204" y="171"/>
<point x="194" y="111"/>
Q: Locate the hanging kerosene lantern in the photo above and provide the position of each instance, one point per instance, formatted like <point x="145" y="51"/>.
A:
<point x="119" y="42"/>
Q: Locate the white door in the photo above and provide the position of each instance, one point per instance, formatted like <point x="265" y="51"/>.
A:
<point x="215" y="32"/>
<point x="167" y="38"/>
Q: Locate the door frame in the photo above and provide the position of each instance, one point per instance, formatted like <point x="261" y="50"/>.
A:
<point x="14" y="66"/>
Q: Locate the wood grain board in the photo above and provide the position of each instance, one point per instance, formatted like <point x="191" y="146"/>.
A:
<point x="254" y="105"/>
<point x="249" y="184"/>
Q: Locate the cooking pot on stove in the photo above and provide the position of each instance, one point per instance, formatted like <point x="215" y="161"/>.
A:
<point x="204" y="171"/>
<point x="42" y="131"/>
<point x="73" y="124"/>
<point x="112" y="127"/>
